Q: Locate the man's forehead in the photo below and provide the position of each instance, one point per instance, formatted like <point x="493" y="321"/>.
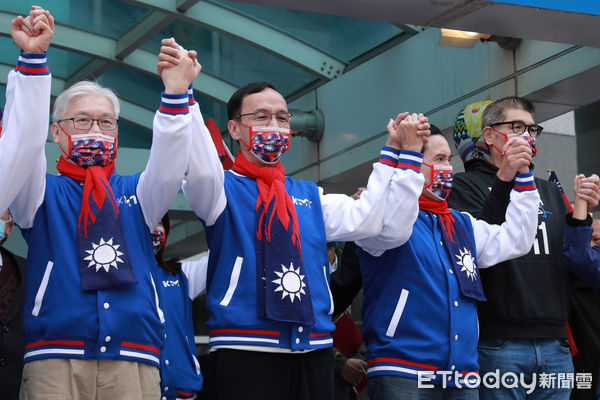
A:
<point x="267" y="99"/>
<point x="92" y="103"/>
<point x="437" y="145"/>
<point x="515" y="114"/>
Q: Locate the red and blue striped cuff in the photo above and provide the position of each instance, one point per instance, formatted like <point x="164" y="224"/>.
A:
<point x="33" y="64"/>
<point x="410" y="160"/>
<point x="174" y="104"/>
<point x="191" y="99"/>
<point x="389" y="156"/>
<point x="524" y="182"/>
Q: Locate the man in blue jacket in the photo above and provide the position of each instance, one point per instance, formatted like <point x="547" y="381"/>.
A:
<point x="268" y="270"/>
<point x="92" y="323"/>
<point x="420" y="314"/>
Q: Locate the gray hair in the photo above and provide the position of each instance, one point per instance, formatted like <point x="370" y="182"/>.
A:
<point x="495" y="111"/>
<point x="83" y="88"/>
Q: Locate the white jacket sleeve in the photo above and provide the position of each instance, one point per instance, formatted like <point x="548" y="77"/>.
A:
<point x="22" y="146"/>
<point x="195" y="271"/>
<point x="402" y="207"/>
<point x="169" y="155"/>
<point x="204" y="178"/>
<point x="371" y="215"/>
<point x="514" y="238"/>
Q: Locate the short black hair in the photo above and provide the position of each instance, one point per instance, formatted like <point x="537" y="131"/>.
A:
<point x="434" y="131"/>
<point x="495" y="112"/>
<point x="234" y="105"/>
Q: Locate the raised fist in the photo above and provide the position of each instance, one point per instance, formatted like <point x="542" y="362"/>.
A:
<point x="33" y="34"/>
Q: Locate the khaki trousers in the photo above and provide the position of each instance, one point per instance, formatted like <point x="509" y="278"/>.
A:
<point x="74" y="379"/>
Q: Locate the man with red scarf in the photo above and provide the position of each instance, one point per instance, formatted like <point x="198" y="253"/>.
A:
<point x="92" y="322"/>
<point x="268" y="271"/>
<point x="419" y="310"/>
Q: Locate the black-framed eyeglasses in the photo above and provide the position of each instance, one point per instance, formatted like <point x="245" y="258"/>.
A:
<point x="85" y="123"/>
<point x="519" y="128"/>
<point x="263" y="117"/>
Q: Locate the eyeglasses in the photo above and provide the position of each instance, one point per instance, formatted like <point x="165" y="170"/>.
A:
<point x="519" y="128"/>
<point x="263" y="117"/>
<point x="85" y="124"/>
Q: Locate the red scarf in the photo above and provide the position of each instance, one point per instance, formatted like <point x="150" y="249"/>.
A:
<point x="441" y="209"/>
<point x="96" y="183"/>
<point x="271" y="186"/>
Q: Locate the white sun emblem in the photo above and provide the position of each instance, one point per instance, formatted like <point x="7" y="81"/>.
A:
<point x="465" y="259"/>
<point x="290" y="282"/>
<point x="104" y="255"/>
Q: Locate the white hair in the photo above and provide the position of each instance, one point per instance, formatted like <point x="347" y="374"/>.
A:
<point x="83" y="88"/>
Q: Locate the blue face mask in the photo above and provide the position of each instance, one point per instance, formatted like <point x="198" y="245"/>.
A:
<point x="3" y="223"/>
<point x="2" y="228"/>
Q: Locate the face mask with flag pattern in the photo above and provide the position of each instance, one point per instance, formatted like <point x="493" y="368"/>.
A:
<point x="530" y="140"/>
<point x="268" y="143"/>
<point x="90" y="149"/>
<point x="159" y="239"/>
<point x="441" y="181"/>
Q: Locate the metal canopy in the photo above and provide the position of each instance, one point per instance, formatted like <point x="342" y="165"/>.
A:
<point x="114" y="41"/>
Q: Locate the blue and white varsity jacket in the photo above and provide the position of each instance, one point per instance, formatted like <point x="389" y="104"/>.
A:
<point x="415" y="317"/>
<point x="60" y="320"/>
<point x="180" y="374"/>
<point x="226" y="203"/>
<point x="32" y="82"/>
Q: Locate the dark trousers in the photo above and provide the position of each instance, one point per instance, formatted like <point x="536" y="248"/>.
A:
<point x="248" y="375"/>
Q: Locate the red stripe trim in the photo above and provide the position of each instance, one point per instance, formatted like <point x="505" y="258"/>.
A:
<point x="463" y="373"/>
<point x="320" y="334"/>
<point x="409" y="166"/>
<point x="398" y="361"/>
<point x="141" y="346"/>
<point x="32" y="70"/>
<point x="191" y="101"/>
<point x="249" y="331"/>
<point x="520" y="187"/>
<point x="174" y="110"/>
<point x="388" y="162"/>
<point x="54" y="342"/>
<point x="184" y="394"/>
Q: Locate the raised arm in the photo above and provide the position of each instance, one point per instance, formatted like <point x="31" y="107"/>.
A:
<point x="490" y="206"/>
<point x="514" y="238"/>
<point x="347" y="219"/>
<point x="171" y="141"/>
<point x="26" y="116"/>
<point x="578" y="254"/>
<point x="203" y="181"/>
<point x="405" y="142"/>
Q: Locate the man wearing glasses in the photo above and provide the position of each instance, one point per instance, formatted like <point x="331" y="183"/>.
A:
<point x="268" y="272"/>
<point x="523" y="322"/>
<point x="92" y="323"/>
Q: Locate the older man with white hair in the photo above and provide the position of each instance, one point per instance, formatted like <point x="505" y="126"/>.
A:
<point x="92" y="321"/>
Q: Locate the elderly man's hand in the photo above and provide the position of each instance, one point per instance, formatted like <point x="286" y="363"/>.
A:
<point x="177" y="66"/>
<point x="516" y="157"/>
<point x="34" y="33"/>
